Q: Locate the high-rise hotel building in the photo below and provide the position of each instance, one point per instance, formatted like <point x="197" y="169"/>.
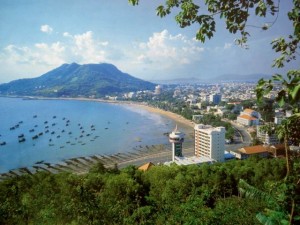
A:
<point x="210" y="142"/>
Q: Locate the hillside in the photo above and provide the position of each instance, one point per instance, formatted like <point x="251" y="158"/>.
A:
<point x="77" y="80"/>
<point x="206" y="194"/>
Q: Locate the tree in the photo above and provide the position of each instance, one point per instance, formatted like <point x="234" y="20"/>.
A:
<point x="236" y="14"/>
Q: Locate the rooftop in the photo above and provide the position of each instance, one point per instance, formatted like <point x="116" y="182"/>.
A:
<point x="254" y="149"/>
<point x="146" y="166"/>
<point x="190" y="160"/>
<point x="248" y="110"/>
<point x="244" y="116"/>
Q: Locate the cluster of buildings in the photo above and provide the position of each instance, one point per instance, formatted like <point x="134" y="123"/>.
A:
<point x="210" y="147"/>
<point x="210" y="141"/>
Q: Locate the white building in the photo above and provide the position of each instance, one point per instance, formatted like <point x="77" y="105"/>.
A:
<point x="210" y="142"/>
<point x="176" y="138"/>
<point x="158" y="90"/>
<point x="249" y="117"/>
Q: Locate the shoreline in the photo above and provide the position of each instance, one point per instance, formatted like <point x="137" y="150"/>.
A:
<point x="134" y="156"/>
<point x="178" y="118"/>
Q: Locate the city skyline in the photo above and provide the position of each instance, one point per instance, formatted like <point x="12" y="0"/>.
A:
<point x="37" y="37"/>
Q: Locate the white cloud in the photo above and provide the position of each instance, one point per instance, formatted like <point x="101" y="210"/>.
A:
<point x="66" y="34"/>
<point x="162" y="53"/>
<point x="168" y="51"/>
<point x="46" y="29"/>
<point x="80" y="48"/>
<point x="227" y="46"/>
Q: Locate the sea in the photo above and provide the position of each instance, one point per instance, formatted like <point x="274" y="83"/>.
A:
<point x="52" y="131"/>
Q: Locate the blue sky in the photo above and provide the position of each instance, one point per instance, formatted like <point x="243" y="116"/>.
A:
<point x="39" y="35"/>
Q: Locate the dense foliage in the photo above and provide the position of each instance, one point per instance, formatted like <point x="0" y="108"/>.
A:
<point x="206" y="194"/>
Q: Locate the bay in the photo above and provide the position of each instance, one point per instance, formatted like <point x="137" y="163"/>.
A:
<point x="56" y="130"/>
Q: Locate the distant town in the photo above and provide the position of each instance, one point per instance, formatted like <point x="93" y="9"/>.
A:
<point x="233" y="104"/>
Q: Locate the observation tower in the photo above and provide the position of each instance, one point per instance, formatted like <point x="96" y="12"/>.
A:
<point x="176" y="138"/>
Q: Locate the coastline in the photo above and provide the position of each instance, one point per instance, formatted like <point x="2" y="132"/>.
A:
<point x="179" y="119"/>
<point x="155" y="153"/>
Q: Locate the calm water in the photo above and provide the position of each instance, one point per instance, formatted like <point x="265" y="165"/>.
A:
<point x="67" y="129"/>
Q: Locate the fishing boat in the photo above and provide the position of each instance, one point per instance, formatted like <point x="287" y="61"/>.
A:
<point x="22" y="140"/>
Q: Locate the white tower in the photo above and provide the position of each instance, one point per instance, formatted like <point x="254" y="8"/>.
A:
<point x="176" y="138"/>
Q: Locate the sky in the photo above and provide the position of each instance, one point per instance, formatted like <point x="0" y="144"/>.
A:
<point x="37" y="36"/>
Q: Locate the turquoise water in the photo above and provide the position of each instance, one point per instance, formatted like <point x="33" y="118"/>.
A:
<point x="67" y="128"/>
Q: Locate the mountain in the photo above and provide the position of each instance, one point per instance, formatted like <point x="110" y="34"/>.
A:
<point x="241" y="78"/>
<point x="217" y="79"/>
<point x="184" y="81"/>
<point x="77" y="80"/>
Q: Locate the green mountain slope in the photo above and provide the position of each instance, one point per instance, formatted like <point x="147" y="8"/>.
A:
<point x="77" y="80"/>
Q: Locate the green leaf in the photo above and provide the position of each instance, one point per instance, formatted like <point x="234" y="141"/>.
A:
<point x="296" y="93"/>
<point x="277" y="77"/>
<point x="281" y="97"/>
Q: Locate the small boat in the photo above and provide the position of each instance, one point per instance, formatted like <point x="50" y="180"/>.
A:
<point x="12" y="128"/>
<point x="31" y="130"/>
<point x="20" y="122"/>
<point x="35" y="137"/>
<point x="70" y="132"/>
<point x="53" y="132"/>
<point x="82" y="131"/>
<point x="53" y="124"/>
<point x="40" y="162"/>
<point x="50" y="140"/>
<point x="106" y="128"/>
<point x="47" y="131"/>
<point x="58" y="136"/>
<point x="35" y="116"/>
<point x="35" y="125"/>
<point x="45" y="122"/>
<point x="46" y="127"/>
<point x="41" y="133"/>
<point x="88" y="135"/>
<point x="54" y="117"/>
<point x="63" y="131"/>
<point x="22" y="140"/>
<point x="21" y="135"/>
<point x="3" y="143"/>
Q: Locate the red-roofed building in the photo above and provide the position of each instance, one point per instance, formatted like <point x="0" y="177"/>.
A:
<point x="146" y="166"/>
<point x="249" y="117"/>
<point x="245" y="152"/>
